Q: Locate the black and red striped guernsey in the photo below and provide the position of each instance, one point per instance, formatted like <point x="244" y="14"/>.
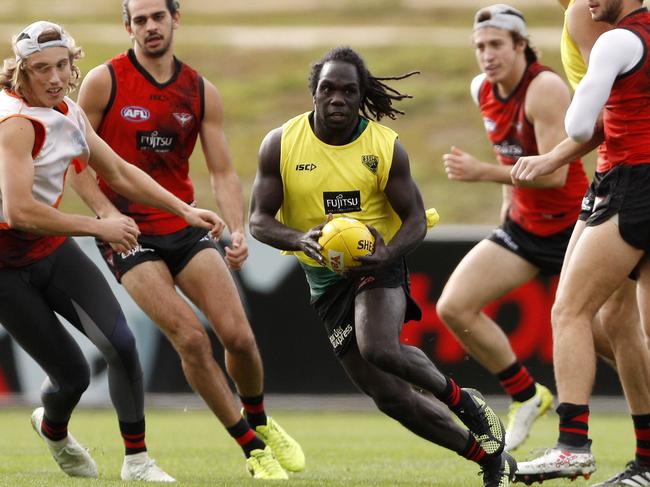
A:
<point x="625" y="116"/>
<point x="153" y="126"/>
<point x="539" y="211"/>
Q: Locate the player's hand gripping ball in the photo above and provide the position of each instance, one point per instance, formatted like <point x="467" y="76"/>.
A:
<point x="342" y="240"/>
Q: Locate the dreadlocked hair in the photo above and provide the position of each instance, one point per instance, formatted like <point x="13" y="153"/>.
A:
<point x="376" y="96"/>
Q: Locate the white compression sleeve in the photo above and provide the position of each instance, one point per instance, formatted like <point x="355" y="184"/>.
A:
<point x="614" y="53"/>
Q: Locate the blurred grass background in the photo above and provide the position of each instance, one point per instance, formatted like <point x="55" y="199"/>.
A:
<point x="258" y="53"/>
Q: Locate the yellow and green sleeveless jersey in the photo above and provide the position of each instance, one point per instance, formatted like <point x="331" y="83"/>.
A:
<point x="574" y="66"/>
<point x="346" y="180"/>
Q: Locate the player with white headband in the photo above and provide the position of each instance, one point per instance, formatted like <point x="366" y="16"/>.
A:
<point x="43" y="271"/>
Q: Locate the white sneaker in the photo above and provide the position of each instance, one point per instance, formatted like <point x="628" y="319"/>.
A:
<point x="522" y="415"/>
<point x="557" y="463"/>
<point x="71" y="457"/>
<point x="140" y="467"/>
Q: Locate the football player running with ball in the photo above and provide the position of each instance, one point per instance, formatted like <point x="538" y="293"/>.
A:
<point x="359" y="169"/>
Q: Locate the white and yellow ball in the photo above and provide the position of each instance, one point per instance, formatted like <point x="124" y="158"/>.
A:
<point x="342" y="240"/>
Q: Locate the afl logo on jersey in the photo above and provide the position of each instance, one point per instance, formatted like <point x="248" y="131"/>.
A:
<point x="135" y="114"/>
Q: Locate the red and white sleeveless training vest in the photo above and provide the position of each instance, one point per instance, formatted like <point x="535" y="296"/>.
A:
<point x="60" y="138"/>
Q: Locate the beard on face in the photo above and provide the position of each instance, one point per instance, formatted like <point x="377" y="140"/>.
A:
<point x="159" y="51"/>
<point x="610" y="12"/>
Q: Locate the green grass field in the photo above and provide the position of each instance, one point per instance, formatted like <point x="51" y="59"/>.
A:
<point x="342" y="448"/>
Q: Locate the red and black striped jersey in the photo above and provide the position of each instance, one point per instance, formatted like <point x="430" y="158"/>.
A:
<point x="625" y="116"/>
<point x="153" y="126"/>
<point x="539" y="211"/>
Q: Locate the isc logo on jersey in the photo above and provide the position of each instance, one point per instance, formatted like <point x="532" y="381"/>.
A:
<point x="306" y="167"/>
<point x="135" y="114"/>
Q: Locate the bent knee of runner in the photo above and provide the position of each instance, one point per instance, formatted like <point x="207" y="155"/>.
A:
<point x="384" y="357"/>
<point x="567" y="313"/>
<point x="121" y="349"/>
<point x="456" y="314"/>
<point x="559" y="315"/>
<point x="76" y="380"/>
<point x="193" y="345"/>
<point x="240" y="342"/>
<point x="62" y="393"/>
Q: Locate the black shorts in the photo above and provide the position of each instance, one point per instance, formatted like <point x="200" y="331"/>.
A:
<point x="589" y="199"/>
<point x="335" y="307"/>
<point x="175" y="249"/>
<point x="623" y="191"/>
<point x="545" y="253"/>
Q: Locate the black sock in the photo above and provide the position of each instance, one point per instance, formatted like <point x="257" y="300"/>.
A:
<point x="642" y="433"/>
<point x="460" y="402"/>
<point x="54" y="431"/>
<point x="246" y="437"/>
<point x="455" y="398"/>
<point x="254" y="409"/>
<point x="451" y="395"/>
<point x="133" y="436"/>
<point x="473" y="451"/>
<point x="517" y="382"/>
<point x="574" y="424"/>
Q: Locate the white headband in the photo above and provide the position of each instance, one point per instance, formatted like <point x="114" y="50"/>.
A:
<point x="26" y="42"/>
<point x="501" y="16"/>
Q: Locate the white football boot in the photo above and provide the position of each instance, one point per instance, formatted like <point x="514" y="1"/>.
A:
<point x="71" y="457"/>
